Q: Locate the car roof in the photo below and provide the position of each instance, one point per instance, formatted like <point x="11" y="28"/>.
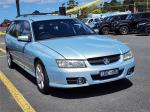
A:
<point x="41" y="17"/>
<point x="141" y="13"/>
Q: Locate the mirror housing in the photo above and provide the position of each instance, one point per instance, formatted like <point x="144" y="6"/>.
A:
<point x="24" y="38"/>
<point x="96" y="31"/>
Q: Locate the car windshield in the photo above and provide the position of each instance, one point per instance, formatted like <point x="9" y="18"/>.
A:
<point x="60" y="28"/>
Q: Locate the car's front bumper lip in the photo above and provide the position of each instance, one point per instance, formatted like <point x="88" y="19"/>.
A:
<point x="87" y="72"/>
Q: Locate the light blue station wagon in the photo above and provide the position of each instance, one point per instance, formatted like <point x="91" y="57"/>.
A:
<point x="63" y="52"/>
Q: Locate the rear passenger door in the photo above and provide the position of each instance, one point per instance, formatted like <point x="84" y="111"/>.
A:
<point x="11" y="40"/>
<point x="136" y="19"/>
<point x="145" y="17"/>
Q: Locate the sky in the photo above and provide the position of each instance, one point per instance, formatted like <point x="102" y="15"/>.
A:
<point x="8" y="7"/>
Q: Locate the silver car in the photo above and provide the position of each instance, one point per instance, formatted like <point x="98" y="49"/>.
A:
<point x="63" y="52"/>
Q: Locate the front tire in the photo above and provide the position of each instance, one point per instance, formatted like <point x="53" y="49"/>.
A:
<point x="105" y="30"/>
<point x="41" y="78"/>
<point x="124" y="30"/>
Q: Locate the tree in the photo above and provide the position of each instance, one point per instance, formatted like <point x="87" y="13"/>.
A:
<point x="114" y="5"/>
<point x="141" y="5"/>
<point x="96" y="11"/>
<point x="71" y="4"/>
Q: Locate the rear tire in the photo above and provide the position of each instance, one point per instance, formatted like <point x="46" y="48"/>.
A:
<point x="10" y="63"/>
<point x="124" y="30"/>
<point x="42" y="78"/>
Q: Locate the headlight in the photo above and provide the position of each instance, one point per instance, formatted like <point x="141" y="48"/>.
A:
<point x="127" y="56"/>
<point x="62" y="63"/>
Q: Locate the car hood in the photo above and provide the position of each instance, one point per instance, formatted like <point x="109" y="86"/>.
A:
<point x="83" y="47"/>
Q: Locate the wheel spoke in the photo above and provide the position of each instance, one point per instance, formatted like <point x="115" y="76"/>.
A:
<point x="40" y="76"/>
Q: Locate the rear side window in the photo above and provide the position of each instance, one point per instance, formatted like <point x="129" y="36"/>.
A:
<point x="137" y="16"/>
<point x="146" y="15"/>
<point x="115" y="18"/>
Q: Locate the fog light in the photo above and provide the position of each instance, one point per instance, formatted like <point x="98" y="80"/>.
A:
<point x="130" y="71"/>
<point x="81" y="80"/>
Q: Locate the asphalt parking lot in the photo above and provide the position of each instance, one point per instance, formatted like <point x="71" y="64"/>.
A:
<point x="131" y="95"/>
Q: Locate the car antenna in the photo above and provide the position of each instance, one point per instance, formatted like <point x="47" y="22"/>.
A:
<point x="18" y="8"/>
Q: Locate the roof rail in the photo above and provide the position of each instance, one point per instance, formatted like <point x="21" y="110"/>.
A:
<point x="35" y="14"/>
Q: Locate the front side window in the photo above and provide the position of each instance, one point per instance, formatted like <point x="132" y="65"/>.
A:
<point x="130" y="16"/>
<point x="26" y="30"/>
<point x="123" y="17"/>
<point x="59" y="28"/>
<point x="22" y="28"/>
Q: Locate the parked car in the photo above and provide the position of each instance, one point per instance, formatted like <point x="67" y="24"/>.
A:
<point x="130" y="24"/>
<point x="5" y="24"/>
<point x="63" y="52"/>
<point x="105" y="26"/>
<point x="91" y="21"/>
<point x="144" y="28"/>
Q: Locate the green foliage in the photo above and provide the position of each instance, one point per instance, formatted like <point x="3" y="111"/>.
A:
<point x="96" y="11"/>
<point x="71" y="4"/>
<point x="114" y="5"/>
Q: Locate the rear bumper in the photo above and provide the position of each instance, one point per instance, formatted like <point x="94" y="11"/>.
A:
<point x="59" y="80"/>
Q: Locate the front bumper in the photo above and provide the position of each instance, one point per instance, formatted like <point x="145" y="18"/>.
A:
<point x="60" y="76"/>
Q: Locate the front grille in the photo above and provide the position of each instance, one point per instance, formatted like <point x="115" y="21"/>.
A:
<point x="98" y="77"/>
<point x="101" y="60"/>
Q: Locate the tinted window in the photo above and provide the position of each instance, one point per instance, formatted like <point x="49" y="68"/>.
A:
<point x="17" y="31"/>
<point x="123" y="17"/>
<point x="25" y="30"/>
<point x="134" y="16"/>
<point x="115" y="18"/>
<point x="146" y="15"/>
<point x="11" y="29"/>
<point x="22" y="28"/>
<point x="137" y="16"/>
<point x="60" y="28"/>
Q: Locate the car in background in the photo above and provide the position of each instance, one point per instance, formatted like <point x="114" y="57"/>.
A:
<point x="91" y="21"/>
<point x="63" y="52"/>
<point x="105" y="26"/>
<point x="144" y="28"/>
<point x="123" y="27"/>
<point x="5" y="24"/>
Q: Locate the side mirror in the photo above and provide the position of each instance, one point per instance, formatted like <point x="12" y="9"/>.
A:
<point x="24" y="38"/>
<point x="96" y="31"/>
